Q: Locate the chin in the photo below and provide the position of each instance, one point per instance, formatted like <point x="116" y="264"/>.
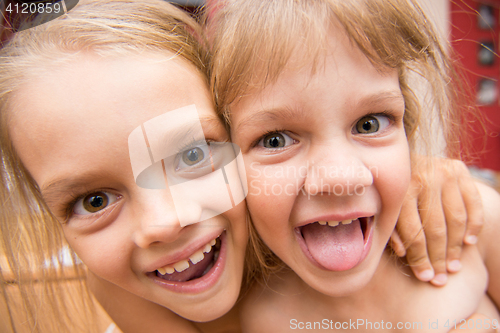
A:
<point x="344" y="283"/>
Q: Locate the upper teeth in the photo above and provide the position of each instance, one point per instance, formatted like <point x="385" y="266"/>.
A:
<point x="334" y="223"/>
<point x="183" y="264"/>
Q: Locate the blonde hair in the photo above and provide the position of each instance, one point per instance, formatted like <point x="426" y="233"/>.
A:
<point x="252" y="42"/>
<point x="31" y="236"/>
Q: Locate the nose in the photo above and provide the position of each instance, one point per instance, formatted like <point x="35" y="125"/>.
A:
<point x="155" y="217"/>
<point x="338" y="169"/>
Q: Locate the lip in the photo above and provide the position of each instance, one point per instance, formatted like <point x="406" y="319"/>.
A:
<point x="200" y="284"/>
<point x="184" y="253"/>
<point x="368" y="236"/>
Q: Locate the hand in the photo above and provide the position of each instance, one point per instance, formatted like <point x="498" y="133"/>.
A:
<point x="441" y="211"/>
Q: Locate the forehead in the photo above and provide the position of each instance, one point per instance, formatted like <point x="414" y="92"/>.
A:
<point x="92" y="104"/>
<point x="87" y="84"/>
<point x="338" y="69"/>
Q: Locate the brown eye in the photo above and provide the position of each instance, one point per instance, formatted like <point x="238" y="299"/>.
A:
<point x="276" y="140"/>
<point x="95" y="202"/>
<point x="193" y="156"/>
<point x="368" y="125"/>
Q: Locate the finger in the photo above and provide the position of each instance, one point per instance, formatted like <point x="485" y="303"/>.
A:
<point x="410" y="231"/>
<point x="473" y="206"/>
<point x="397" y="244"/>
<point x="434" y="224"/>
<point x="456" y="217"/>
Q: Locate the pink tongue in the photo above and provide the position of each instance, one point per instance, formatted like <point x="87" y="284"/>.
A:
<point x="335" y="248"/>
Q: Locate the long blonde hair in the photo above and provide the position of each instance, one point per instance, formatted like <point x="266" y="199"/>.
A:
<point x="31" y="237"/>
<point x="252" y="42"/>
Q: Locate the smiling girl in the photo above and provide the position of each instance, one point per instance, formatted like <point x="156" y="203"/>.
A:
<point x="73" y="92"/>
<point x="319" y="97"/>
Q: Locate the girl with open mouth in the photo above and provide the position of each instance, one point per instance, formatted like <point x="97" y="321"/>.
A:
<point x="78" y="87"/>
<point x="323" y="109"/>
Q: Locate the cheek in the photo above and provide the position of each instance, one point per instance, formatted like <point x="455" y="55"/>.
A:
<point x="391" y="173"/>
<point x="237" y="218"/>
<point x="103" y="253"/>
<point x="271" y="187"/>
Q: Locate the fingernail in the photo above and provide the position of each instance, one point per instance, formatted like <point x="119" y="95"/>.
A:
<point x="440" y="279"/>
<point x="454" y="265"/>
<point x="426" y="275"/>
<point x="471" y="239"/>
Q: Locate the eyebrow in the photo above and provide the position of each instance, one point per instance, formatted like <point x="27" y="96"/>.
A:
<point x="270" y="115"/>
<point x="73" y="185"/>
<point x="377" y="100"/>
<point x="189" y="130"/>
<point x="373" y="100"/>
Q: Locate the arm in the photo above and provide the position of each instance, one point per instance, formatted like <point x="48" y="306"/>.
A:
<point x="476" y="317"/>
<point x="489" y="241"/>
<point x="441" y="212"/>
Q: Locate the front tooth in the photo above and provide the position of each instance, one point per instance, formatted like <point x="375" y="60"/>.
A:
<point x="322" y="222"/>
<point x="346" y="222"/>
<point x="166" y="270"/>
<point x="207" y="248"/>
<point x="181" y="266"/>
<point x="212" y="242"/>
<point x="333" y="223"/>
<point x="197" y="257"/>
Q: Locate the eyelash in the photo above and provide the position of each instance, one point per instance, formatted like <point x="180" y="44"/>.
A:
<point x="192" y="143"/>
<point x="388" y="114"/>
<point x="277" y="130"/>
<point x="70" y="205"/>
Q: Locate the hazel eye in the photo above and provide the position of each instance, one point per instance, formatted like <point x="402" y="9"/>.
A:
<point x="94" y="202"/>
<point x="371" y="124"/>
<point x="193" y="156"/>
<point x="276" y="140"/>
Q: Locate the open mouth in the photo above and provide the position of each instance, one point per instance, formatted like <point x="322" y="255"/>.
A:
<point x="336" y="245"/>
<point x="194" y="267"/>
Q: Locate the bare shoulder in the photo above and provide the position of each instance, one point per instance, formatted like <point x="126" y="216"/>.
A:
<point x="267" y="307"/>
<point x="489" y="239"/>
<point x="490" y="233"/>
<point x="258" y="311"/>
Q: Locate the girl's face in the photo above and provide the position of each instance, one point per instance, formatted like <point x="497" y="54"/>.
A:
<point x="71" y="126"/>
<point x="327" y="163"/>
